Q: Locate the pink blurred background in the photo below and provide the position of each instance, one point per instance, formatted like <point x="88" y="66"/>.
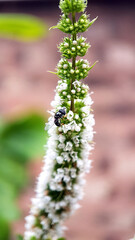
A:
<point x="108" y="208"/>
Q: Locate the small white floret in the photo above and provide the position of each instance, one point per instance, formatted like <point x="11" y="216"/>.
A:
<point x="72" y="71"/>
<point x="29" y="234"/>
<point x="66" y="44"/>
<point x="59" y="159"/>
<point x="82" y="21"/>
<point x="83" y="38"/>
<point x="68" y="96"/>
<point x="73" y="91"/>
<point x="84" y="66"/>
<point x="68" y="146"/>
<point x="70" y="115"/>
<point x="78" y="89"/>
<point x="74" y="42"/>
<point x="76" y="116"/>
<point x="82" y="44"/>
<point x="73" y="49"/>
<point x="83" y="114"/>
<point x="65" y="66"/>
<point x="67" y="20"/>
<point x="77" y="128"/>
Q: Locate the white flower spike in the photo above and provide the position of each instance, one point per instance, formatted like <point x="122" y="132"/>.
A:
<point x="70" y="128"/>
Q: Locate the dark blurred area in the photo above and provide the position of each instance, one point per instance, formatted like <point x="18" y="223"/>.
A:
<point x="28" y="5"/>
<point x="108" y="208"/>
<point x="54" y="2"/>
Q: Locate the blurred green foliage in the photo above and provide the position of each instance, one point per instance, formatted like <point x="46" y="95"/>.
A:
<point x="20" y="141"/>
<point x="62" y="239"/>
<point x="19" y="237"/>
<point x="21" y="27"/>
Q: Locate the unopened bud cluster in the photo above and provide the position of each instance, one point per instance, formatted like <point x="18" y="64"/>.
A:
<point x="64" y="69"/>
<point x="72" y="6"/>
<point x="60" y="184"/>
<point x="65" y="24"/>
<point x="73" y="48"/>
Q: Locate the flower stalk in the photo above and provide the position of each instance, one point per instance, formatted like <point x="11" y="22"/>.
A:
<point x="60" y="184"/>
<point x="73" y="64"/>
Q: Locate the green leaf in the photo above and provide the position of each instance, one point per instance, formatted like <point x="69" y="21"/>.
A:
<point x="4" y="230"/>
<point x="13" y="171"/>
<point x="33" y="238"/>
<point x="20" y="141"/>
<point x="7" y="189"/>
<point x="53" y="27"/>
<point x="19" y="237"/>
<point x="24" y="138"/>
<point x="8" y="208"/>
<point x="92" y="21"/>
<point x="61" y="239"/>
<point x="93" y="65"/>
<point x="21" y="27"/>
<point x="52" y="72"/>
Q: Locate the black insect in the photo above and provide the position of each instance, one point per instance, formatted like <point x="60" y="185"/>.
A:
<point x="58" y="115"/>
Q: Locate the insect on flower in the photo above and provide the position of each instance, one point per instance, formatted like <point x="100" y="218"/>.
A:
<point x="58" y="115"/>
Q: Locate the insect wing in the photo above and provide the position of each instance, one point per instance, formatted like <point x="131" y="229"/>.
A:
<point x="62" y="111"/>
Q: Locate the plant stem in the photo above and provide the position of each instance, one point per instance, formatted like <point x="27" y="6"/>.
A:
<point x="73" y="65"/>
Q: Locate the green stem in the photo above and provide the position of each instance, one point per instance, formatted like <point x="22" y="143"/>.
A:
<point x="73" y="65"/>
